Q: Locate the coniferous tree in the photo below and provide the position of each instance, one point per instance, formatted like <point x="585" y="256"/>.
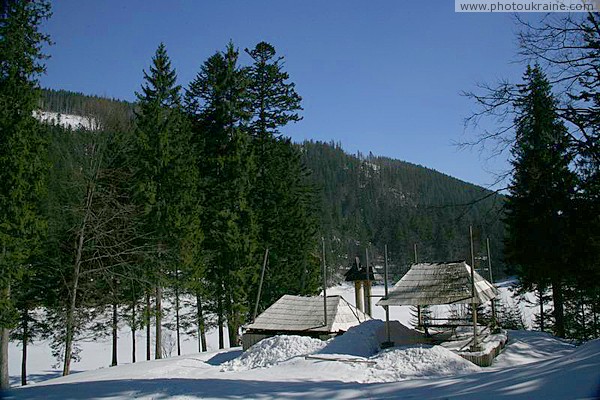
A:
<point x="22" y="151"/>
<point x="274" y="100"/>
<point x="282" y="197"/>
<point x="30" y="292"/>
<point x="162" y="175"/>
<point x="538" y="207"/>
<point x="219" y="104"/>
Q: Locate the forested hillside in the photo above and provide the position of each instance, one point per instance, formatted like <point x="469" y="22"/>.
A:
<point x="109" y="111"/>
<point x="367" y="201"/>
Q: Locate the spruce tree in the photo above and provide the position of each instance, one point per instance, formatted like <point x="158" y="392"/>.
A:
<point x="23" y="162"/>
<point x="218" y="103"/>
<point x="282" y="197"/>
<point x="538" y="206"/>
<point x="162" y="175"/>
<point x="274" y="99"/>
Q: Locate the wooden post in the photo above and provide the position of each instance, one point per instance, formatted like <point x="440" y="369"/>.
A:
<point x="368" y="286"/>
<point x="387" y="308"/>
<point x="262" y="277"/>
<point x="358" y="295"/>
<point x="368" y="297"/>
<point x="415" y="247"/>
<point x="419" y="316"/>
<point x="489" y="257"/>
<point x="324" y="285"/>
<point x="358" y="290"/>
<point x="475" y="345"/>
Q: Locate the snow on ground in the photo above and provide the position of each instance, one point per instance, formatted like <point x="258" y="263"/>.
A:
<point x="359" y="341"/>
<point x="96" y="353"/>
<point x="537" y="367"/>
<point x="529" y="346"/>
<point x="423" y="361"/>
<point x="533" y="365"/>
<point x="274" y="350"/>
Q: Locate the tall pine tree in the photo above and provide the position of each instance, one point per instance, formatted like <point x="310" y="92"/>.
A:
<point x="282" y="197"/>
<point x="22" y="151"/>
<point x="162" y="174"/>
<point x="538" y="206"/>
<point x="218" y="103"/>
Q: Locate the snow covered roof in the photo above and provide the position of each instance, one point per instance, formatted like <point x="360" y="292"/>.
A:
<point x="439" y="283"/>
<point x="299" y="313"/>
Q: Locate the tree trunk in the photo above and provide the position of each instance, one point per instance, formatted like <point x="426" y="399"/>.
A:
<point x="232" y="323"/>
<point x="158" y="339"/>
<point x="133" y="326"/>
<point x="148" y="328"/>
<point x="201" y="326"/>
<point x="4" y="338"/>
<point x="595" y="318"/>
<point x="114" y="333"/>
<point x="70" y="322"/>
<point x="583" y="326"/>
<point x="177" y="312"/>
<point x="220" y="322"/>
<point x="541" y="299"/>
<point x="25" y="327"/>
<point x="559" y="312"/>
<point x="232" y="330"/>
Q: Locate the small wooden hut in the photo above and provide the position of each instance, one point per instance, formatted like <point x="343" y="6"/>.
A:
<point x="439" y="283"/>
<point x="442" y="283"/>
<point x="304" y="316"/>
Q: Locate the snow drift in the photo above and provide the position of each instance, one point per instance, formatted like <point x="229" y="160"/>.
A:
<point x="423" y="361"/>
<point x="274" y="350"/>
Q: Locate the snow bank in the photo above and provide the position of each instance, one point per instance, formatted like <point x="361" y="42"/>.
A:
<point x="422" y="361"/>
<point x="525" y="347"/>
<point x="398" y="363"/>
<point x="274" y="350"/>
<point x="361" y="340"/>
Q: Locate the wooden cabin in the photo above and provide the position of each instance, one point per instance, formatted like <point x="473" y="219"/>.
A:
<point x="304" y="316"/>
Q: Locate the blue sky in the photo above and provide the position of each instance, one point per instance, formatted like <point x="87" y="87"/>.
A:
<point x="380" y="76"/>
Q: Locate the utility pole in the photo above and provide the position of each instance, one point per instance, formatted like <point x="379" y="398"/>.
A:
<point x="419" y="315"/>
<point x="262" y="277"/>
<point x="475" y="346"/>
<point x="368" y="286"/>
<point x="324" y="285"/>
<point x="415" y="247"/>
<point x="387" y="308"/>
<point x="489" y="257"/>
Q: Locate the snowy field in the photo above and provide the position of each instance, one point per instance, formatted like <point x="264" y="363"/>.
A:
<point x="533" y="365"/>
